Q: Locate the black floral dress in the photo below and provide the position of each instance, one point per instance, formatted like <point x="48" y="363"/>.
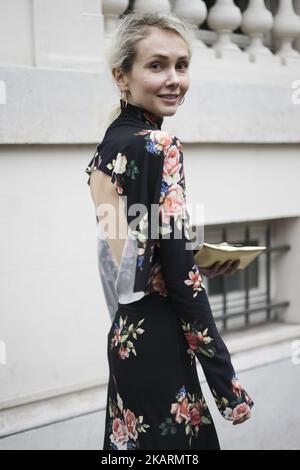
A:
<point x="161" y="317"/>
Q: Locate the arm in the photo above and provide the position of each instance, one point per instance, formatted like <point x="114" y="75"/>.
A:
<point x="189" y="298"/>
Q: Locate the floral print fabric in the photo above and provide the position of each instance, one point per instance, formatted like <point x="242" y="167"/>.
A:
<point x="124" y="427"/>
<point x="191" y="411"/>
<point x="147" y="168"/>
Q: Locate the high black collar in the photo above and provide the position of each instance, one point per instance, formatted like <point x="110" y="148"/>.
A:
<point x="142" y="114"/>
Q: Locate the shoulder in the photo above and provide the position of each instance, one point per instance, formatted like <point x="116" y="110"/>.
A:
<point x="152" y="141"/>
<point x="136" y="152"/>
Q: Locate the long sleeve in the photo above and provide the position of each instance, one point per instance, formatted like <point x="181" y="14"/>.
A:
<point x="188" y="295"/>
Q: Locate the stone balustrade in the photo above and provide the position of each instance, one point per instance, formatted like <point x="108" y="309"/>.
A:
<point x="224" y="18"/>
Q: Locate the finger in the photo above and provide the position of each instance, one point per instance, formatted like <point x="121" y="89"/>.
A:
<point x="235" y="264"/>
<point x="224" y="267"/>
<point x="213" y="269"/>
<point x="242" y="419"/>
<point x="214" y="266"/>
<point x="234" y="267"/>
<point x="217" y="270"/>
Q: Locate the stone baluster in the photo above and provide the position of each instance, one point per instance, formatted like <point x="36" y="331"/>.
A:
<point x="194" y="12"/>
<point x="224" y="17"/>
<point x="297" y="10"/>
<point x="257" y="20"/>
<point x="286" y="29"/>
<point x="162" y="6"/>
<point x="112" y="9"/>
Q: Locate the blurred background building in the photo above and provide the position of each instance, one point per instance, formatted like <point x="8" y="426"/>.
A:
<point x="240" y="128"/>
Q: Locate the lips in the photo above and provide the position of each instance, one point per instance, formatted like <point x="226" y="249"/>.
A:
<point x="168" y="96"/>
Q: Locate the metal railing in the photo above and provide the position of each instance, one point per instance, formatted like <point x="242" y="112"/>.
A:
<point x="249" y="304"/>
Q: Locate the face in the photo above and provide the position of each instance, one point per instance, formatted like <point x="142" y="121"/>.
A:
<point x="160" y="68"/>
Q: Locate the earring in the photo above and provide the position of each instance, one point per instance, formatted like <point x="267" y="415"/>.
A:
<point x="124" y="98"/>
<point x="182" y="101"/>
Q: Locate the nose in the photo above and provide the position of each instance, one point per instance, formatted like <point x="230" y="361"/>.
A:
<point x="173" y="78"/>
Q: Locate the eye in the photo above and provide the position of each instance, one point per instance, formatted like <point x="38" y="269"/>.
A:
<point x="154" y="64"/>
<point x="180" y="65"/>
<point x="184" y="64"/>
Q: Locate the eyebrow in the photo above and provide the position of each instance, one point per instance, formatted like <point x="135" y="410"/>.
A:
<point x="162" y="56"/>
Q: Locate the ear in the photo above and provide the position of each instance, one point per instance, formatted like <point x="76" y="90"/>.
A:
<point x="121" y="79"/>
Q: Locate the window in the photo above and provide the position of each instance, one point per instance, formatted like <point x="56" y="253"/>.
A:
<point x="245" y="297"/>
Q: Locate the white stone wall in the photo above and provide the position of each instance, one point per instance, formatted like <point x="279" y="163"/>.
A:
<point x="248" y="105"/>
<point x="53" y="315"/>
<point x="56" y="34"/>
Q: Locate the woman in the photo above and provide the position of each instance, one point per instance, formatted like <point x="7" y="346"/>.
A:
<point x="163" y="320"/>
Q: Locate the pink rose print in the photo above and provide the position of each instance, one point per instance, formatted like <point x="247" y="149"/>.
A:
<point x="119" y="429"/>
<point x="181" y="411"/>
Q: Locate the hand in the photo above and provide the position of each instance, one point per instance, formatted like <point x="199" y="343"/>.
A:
<point x="241" y="419"/>
<point x="229" y="267"/>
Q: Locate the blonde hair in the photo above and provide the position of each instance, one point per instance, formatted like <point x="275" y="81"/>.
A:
<point x="133" y="28"/>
